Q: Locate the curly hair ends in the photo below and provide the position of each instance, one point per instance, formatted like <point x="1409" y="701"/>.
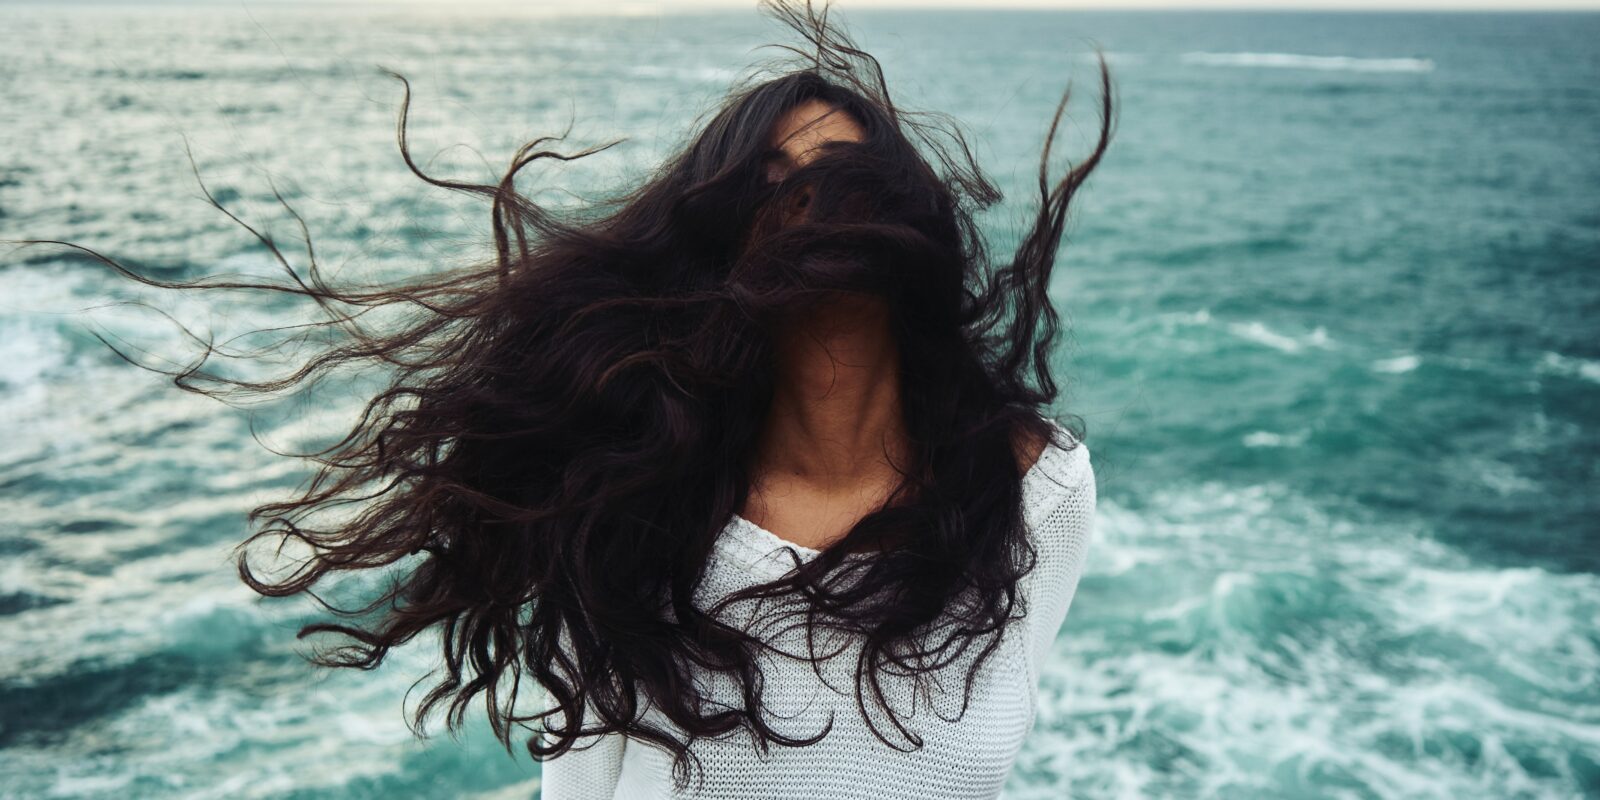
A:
<point x="566" y="428"/>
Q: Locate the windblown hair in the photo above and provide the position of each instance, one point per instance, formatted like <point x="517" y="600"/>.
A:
<point x="569" y="426"/>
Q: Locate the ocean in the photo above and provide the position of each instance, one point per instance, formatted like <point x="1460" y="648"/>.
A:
<point x="1333" y="321"/>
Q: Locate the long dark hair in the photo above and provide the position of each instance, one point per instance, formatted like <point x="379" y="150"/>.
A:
<point x="569" y="426"/>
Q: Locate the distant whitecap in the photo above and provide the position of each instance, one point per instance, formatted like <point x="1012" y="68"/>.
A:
<point x="1397" y="365"/>
<point x="1261" y="334"/>
<point x="1572" y="366"/>
<point x="1300" y="61"/>
<point x="1270" y="439"/>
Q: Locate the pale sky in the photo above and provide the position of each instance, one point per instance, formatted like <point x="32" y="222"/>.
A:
<point x="653" y="7"/>
<point x="846" y="5"/>
<point x="659" y="6"/>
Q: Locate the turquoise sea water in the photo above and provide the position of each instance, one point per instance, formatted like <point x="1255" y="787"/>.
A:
<point x="1333" y="300"/>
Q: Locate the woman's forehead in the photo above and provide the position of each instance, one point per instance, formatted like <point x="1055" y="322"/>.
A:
<point x="802" y="129"/>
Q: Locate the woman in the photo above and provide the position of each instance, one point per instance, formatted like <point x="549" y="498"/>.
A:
<point x="750" y="456"/>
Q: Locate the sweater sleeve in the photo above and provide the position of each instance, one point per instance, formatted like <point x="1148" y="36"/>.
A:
<point x="1063" y="526"/>
<point x="589" y="770"/>
<point x="590" y="773"/>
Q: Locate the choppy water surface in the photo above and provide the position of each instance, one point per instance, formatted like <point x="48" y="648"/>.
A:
<point x="1332" y="295"/>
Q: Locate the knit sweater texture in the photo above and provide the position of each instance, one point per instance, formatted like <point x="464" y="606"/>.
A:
<point x="963" y="755"/>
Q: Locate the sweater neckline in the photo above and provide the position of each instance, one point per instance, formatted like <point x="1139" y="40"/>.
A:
<point x="760" y="548"/>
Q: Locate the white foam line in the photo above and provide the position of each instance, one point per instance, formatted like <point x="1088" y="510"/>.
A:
<point x="1301" y="61"/>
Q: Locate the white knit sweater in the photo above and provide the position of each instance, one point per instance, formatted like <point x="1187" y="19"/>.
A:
<point x="968" y="757"/>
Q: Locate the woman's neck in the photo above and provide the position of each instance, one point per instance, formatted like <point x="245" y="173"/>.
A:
<point x="835" y="421"/>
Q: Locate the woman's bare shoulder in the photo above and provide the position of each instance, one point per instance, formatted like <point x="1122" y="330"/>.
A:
<point x="1029" y="446"/>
